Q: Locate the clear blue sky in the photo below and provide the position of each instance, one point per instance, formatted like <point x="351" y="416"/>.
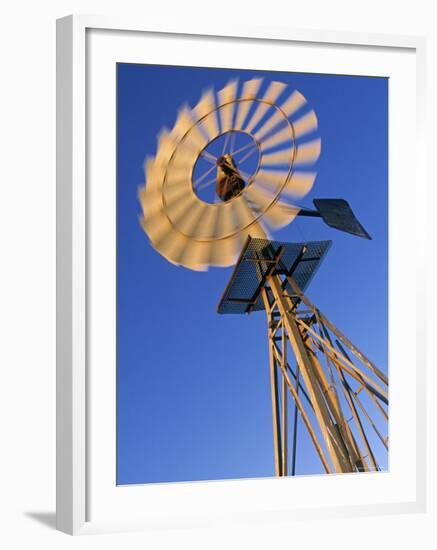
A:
<point x="193" y="394"/>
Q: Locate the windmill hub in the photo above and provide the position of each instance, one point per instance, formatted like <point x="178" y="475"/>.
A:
<point x="225" y="166"/>
<point x="226" y="163"/>
<point x="229" y="182"/>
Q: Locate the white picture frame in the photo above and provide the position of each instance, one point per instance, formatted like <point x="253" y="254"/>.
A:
<point x="76" y="471"/>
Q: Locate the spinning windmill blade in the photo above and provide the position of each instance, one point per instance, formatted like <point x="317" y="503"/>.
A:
<point x="190" y="231"/>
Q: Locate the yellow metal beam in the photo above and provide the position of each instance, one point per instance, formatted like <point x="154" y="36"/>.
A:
<point x="343" y="358"/>
<point x="338" y="333"/>
<point x="274" y="394"/>
<point x="308" y="339"/>
<point x="284" y="406"/>
<point x="350" y="446"/>
<point x="331" y="437"/>
<point x="296" y="397"/>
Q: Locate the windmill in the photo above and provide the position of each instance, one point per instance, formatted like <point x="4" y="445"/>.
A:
<point x="227" y="175"/>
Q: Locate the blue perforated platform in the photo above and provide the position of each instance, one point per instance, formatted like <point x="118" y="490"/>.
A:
<point x="261" y="257"/>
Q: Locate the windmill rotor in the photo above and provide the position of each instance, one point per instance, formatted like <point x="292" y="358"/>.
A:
<point x="255" y="149"/>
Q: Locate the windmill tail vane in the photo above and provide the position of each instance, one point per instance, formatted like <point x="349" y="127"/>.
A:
<point x="223" y="179"/>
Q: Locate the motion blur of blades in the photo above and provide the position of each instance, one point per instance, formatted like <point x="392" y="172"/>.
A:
<point x="220" y="173"/>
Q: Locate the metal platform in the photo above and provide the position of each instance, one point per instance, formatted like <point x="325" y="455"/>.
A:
<point x="261" y="258"/>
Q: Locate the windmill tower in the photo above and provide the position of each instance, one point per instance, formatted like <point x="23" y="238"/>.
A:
<point x="226" y="175"/>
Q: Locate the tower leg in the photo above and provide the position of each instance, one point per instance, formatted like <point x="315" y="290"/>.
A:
<point x="333" y="442"/>
<point x="277" y="444"/>
<point x="273" y="353"/>
<point x="284" y="407"/>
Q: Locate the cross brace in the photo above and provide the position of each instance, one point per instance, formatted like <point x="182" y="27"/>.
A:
<point x="322" y="388"/>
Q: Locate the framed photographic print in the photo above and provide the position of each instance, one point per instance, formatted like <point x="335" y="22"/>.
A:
<point x="239" y="275"/>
